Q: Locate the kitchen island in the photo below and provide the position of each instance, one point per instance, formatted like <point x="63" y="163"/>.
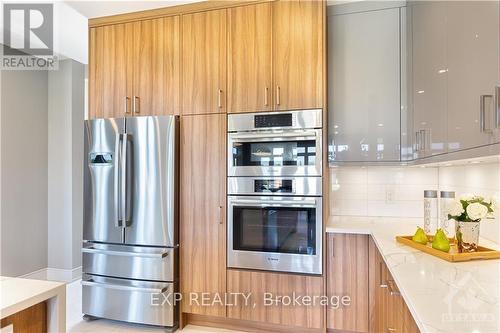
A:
<point x="441" y="296"/>
<point x="18" y="295"/>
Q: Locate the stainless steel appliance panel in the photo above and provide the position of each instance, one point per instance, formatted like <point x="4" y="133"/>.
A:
<point x="128" y="300"/>
<point x="276" y="153"/>
<point x="279" y="186"/>
<point x="154" y="144"/>
<point x="101" y="220"/>
<point x="299" y="119"/>
<point x="307" y="263"/>
<point x="132" y="262"/>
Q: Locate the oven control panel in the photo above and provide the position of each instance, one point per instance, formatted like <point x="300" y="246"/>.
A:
<point x="273" y="185"/>
<point x="273" y="120"/>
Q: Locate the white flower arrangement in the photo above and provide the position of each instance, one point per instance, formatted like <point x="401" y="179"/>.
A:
<point x="471" y="208"/>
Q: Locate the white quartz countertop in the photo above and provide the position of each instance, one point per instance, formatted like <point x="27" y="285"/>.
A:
<point x="17" y="294"/>
<point x="442" y="296"/>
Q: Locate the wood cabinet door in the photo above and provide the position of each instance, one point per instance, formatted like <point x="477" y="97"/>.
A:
<point x="156" y="61"/>
<point x="204" y="62"/>
<point x="347" y="272"/>
<point x="249" y="63"/>
<point x="298" y="54"/>
<point x="202" y="218"/>
<point x="378" y="301"/>
<point x="109" y="65"/>
<point x="275" y="285"/>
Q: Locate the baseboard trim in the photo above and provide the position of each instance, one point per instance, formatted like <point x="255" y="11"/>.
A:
<point x="244" y="325"/>
<point x="55" y="274"/>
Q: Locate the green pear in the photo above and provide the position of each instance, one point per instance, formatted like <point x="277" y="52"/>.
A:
<point x="440" y="241"/>
<point x="420" y="236"/>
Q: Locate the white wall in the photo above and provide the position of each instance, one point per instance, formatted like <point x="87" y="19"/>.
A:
<point x="23" y="172"/>
<point x="65" y="163"/>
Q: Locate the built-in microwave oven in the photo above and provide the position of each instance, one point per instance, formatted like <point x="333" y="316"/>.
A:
<point x="275" y="144"/>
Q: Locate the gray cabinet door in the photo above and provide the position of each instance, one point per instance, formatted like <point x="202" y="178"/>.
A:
<point x="429" y="78"/>
<point x="473" y="38"/>
<point x="364" y="85"/>
<point x="152" y="196"/>
<point x="100" y="218"/>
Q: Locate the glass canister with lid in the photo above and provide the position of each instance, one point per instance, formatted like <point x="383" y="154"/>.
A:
<point x="430" y="211"/>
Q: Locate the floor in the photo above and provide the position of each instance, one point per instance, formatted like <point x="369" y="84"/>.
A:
<point x="75" y="323"/>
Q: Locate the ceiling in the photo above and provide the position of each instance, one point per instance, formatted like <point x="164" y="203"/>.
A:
<point x="94" y="8"/>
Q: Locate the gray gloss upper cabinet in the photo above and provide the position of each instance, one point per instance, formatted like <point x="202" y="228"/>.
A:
<point x="473" y="71"/>
<point x="364" y="86"/>
<point x="429" y="86"/>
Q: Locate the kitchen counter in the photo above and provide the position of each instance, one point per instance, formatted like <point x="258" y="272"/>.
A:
<point x="17" y="294"/>
<point x="442" y="296"/>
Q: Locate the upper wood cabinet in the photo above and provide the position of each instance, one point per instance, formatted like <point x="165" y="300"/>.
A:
<point x="250" y="58"/>
<point x="108" y="64"/>
<point x="134" y="68"/>
<point x="156" y="67"/>
<point x="204" y="62"/>
<point x="202" y="217"/>
<point x="347" y="271"/>
<point x="298" y="48"/>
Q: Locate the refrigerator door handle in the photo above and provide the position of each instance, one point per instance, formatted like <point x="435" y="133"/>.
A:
<point x="93" y="250"/>
<point x="92" y="283"/>
<point x="123" y="182"/>
<point x="118" y="177"/>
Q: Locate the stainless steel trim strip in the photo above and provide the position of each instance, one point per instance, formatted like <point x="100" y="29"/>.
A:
<point x="125" y="254"/>
<point x="497" y="106"/>
<point x="91" y="283"/>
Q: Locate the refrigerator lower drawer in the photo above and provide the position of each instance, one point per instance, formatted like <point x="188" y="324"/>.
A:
<point x="130" y="262"/>
<point x="133" y="301"/>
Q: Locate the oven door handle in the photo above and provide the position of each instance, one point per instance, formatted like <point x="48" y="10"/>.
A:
<point x="268" y="203"/>
<point x="295" y="134"/>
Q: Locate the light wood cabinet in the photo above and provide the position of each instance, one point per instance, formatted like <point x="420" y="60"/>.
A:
<point x="134" y="68"/>
<point x="347" y="271"/>
<point x="250" y="58"/>
<point x="204" y="62"/>
<point x="388" y="310"/>
<point x="275" y="284"/>
<point x="202" y="219"/>
<point x="156" y="67"/>
<point x="109" y="82"/>
<point x="298" y="48"/>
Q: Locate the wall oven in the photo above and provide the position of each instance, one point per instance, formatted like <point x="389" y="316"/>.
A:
<point x="275" y="144"/>
<point x="275" y="224"/>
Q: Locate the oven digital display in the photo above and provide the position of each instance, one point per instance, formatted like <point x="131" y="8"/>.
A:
<point x="273" y="185"/>
<point x="273" y="120"/>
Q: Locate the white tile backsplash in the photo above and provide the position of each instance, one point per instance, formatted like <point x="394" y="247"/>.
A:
<point x="398" y="191"/>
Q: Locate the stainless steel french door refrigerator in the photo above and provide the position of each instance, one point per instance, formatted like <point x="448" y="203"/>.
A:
<point x="130" y="231"/>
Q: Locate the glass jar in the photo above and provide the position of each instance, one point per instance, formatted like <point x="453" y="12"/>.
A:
<point x="445" y="199"/>
<point x="467" y="234"/>
<point x="430" y="211"/>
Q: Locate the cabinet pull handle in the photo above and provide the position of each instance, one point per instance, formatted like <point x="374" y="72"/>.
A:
<point x="389" y="330"/>
<point x="392" y="289"/>
<point x="127" y="99"/>
<point x="423" y="140"/>
<point x="482" y="114"/>
<point x="266" y="91"/>
<point x="136" y="105"/>
<point x="382" y="285"/>
<point x="417" y="141"/>
<point x="219" y="99"/>
<point x="497" y="106"/>
<point x="220" y="215"/>
<point x="278" y="95"/>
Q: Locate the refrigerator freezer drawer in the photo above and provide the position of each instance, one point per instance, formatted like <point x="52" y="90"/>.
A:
<point x="133" y="301"/>
<point x="130" y="262"/>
